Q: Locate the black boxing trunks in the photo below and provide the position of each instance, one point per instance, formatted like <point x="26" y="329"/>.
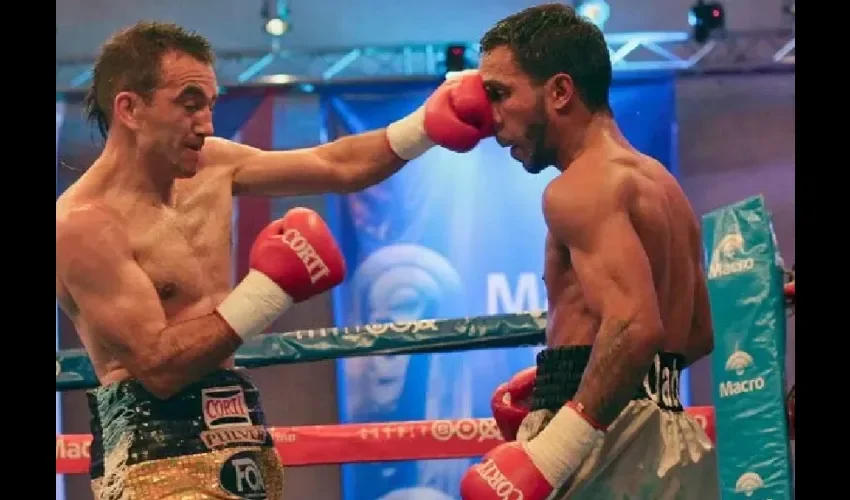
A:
<point x="652" y="450"/>
<point x="559" y="372"/>
<point x="210" y="441"/>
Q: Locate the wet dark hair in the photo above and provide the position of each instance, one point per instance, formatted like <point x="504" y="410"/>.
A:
<point x="131" y="60"/>
<point x="550" y="39"/>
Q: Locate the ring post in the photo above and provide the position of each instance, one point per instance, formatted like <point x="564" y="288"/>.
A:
<point x="745" y="286"/>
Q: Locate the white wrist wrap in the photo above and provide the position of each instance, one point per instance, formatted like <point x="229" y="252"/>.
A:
<point x="562" y="446"/>
<point x="407" y="136"/>
<point x="254" y="304"/>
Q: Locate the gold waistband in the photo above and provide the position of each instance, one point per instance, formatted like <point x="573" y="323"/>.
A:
<point x="251" y="473"/>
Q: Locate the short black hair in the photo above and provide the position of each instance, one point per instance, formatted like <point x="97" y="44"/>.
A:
<point x="552" y="38"/>
<point x="131" y="59"/>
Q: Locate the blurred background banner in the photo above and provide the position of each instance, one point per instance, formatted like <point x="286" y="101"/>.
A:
<point x="450" y="235"/>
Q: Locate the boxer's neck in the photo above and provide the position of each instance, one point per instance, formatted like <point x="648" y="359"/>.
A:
<point x="131" y="169"/>
<point x="582" y="130"/>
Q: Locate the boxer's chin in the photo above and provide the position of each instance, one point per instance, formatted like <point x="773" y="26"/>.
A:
<point x="527" y="160"/>
<point x="521" y="155"/>
<point x="534" y="168"/>
<point x="187" y="164"/>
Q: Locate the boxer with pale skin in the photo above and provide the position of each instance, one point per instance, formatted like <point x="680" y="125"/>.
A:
<point x="599" y="416"/>
<point x="143" y="261"/>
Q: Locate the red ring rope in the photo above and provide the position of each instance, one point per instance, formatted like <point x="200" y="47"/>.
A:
<point x="351" y="443"/>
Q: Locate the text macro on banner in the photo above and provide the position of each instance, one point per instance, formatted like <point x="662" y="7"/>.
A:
<point x="745" y="285"/>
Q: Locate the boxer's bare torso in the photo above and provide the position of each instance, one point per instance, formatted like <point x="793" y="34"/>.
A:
<point x="668" y="231"/>
<point x="183" y="248"/>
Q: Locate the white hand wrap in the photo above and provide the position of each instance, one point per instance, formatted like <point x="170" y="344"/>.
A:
<point x="562" y="446"/>
<point x="254" y="305"/>
<point x="407" y="136"/>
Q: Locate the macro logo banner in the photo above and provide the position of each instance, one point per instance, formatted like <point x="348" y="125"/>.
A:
<point x="748" y="311"/>
<point x="450" y="235"/>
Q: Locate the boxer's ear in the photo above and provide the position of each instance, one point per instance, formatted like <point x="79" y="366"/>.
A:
<point x="560" y="90"/>
<point x="125" y="109"/>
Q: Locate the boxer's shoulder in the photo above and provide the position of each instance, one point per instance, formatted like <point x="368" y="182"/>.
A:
<point x="223" y="155"/>
<point x="82" y="218"/>
<point x="584" y="192"/>
<point x="88" y="227"/>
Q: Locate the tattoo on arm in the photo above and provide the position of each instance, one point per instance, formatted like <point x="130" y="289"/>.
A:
<point x="617" y="366"/>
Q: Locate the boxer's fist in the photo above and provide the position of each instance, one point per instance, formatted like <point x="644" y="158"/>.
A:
<point x="292" y="259"/>
<point x="299" y="254"/>
<point x="506" y="472"/>
<point x="458" y="114"/>
<point x="511" y="402"/>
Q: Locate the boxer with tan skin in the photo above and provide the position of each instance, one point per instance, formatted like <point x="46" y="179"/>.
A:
<point x="628" y="304"/>
<point x="143" y="261"/>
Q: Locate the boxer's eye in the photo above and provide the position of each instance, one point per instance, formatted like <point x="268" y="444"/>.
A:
<point x="496" y="94"/>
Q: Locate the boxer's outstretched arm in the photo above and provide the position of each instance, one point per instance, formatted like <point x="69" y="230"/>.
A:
<point x="119" y="307"/>
<point x="346" y="165"/>
<point x="616" y="278"/>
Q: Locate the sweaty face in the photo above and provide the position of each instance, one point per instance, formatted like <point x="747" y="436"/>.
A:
<point x="174" y="124"/>
<point x="518" y="108"/>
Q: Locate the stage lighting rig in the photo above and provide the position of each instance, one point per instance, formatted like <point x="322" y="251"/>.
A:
<point x="706" y="18"/>
<point x="456" y="58"/>
<point x="596" y="11"/>
<point x="275" y="16"/>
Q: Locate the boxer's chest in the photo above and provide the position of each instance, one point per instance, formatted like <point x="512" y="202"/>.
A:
<point x="186" y="249"/>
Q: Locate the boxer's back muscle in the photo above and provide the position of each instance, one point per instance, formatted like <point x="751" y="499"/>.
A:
<point x="185" y="250"/>
<point x="669" y="231"/>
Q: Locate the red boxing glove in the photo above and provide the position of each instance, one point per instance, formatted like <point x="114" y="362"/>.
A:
<point x="456" y="116"/>
<point x="511" y="402"/>
<point x="292" y="259"/>
<point x="507" y="472"/>
<point x="532" y="470"/>
<point x="299" y="253"/>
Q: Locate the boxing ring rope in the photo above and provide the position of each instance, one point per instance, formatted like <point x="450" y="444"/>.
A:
<point x="352" y="443"/>
<point x="74" y="369"/>
<point x="334" y="444"/>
